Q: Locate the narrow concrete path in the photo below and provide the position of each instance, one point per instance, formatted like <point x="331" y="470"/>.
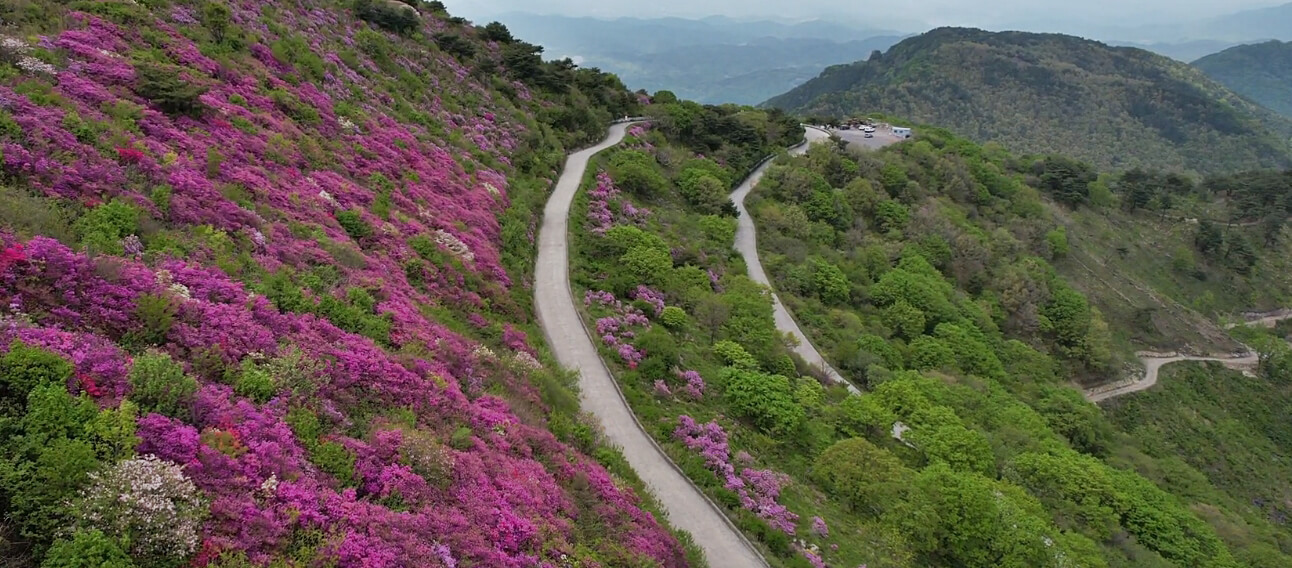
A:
<point x="687" y="508"/>
<point x="747" y="246"/>
<point x="1153" y="362"/>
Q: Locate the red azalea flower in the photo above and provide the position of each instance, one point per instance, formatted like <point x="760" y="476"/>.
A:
<point x="11" y="255"/>
<point x="210" y="551"/>
<point x="88" y="385"/>
<point x="129" y="155"/>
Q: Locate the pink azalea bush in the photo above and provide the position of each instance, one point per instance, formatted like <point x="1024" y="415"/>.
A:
<point x="650" y="296"/>
<point x="618" y="329"/>
<point x="694" y="386"/>
<point x="603" y="199"/>
<point x="819" y="527"/>
<point x="757" y="489"/>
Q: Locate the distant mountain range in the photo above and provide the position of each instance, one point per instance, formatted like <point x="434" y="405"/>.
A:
<point x="1112" y="106"/>
<point x="1244" y="26"/>
<point x="1185" y="51"/>
<point x="1261" y="72"/>
<point x="712" y="60"/>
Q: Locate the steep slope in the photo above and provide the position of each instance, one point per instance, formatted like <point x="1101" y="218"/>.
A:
<point x="1049" y="93"/>
<point x="554" y="305"/>
<point x="939" y="276"/>
<point x="1261" y="72"/>
<point x="265" y="271"/>
<point x="922" y="272"/>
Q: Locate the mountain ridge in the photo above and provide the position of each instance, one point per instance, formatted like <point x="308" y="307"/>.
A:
<point x="1114" y="106"/>
<point x="1260" y="71"/>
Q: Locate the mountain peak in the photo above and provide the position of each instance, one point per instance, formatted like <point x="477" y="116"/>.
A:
<point x="1055" y="93"/>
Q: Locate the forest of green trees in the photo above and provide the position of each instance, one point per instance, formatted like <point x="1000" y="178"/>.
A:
<point x="928" y="273"/>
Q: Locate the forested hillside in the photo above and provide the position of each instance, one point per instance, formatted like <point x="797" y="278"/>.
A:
<point x="1261" y="72"/>
<point x="942" y="278"/>
<point x="935" y="276"/>
<point x="265" y="296"/>
<point x="1049" y="93"/>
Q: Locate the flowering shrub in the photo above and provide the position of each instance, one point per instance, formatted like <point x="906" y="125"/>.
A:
<point x="650" y="296"/>
<point x="757" y="489"/>
<point x="617" y="330"/>
<point x="819" y="527"/>
<point x="694" y="386"/>
<point x="272" y="358"/>
<point x="603" y="199"/>
<point x="148" y="503"/>
<point x="661" y="389"/>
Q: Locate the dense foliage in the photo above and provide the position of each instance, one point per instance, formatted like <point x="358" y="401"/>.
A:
<point x="264" y="295"/>
<point x="1261" y="72"/>
<point x="966" y="450"/>
<point x="1048" y="93"/>
<point x="962" y="325"/>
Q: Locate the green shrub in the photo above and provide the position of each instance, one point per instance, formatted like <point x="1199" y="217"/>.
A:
<point x="50" y="469"/>
<point x="732" y="354"/>
<point x="461" y="438"/>
<point x="255" y="383"/>
<point x="1056" y="242"/>
<point x="766" y="400"/>
<point x="388" y="14"/>
<point x="24" y="368"/>
<point x="166" y="87"/>
<point x="161" y="386"/>
<point x="156" y="315"/>
<point x="29" y="214"/>
<point x="112" y="431"/>
<point x="336" y="460"/>
<point x="87" y="549"/>
<point x="9" y="127"/>
<point x="353" y="223"/>
<point x="673" y="317"/>
<point x="294" y="108"/>
<point x="102" y="228"/>
<point x="215" y="16"/>
<point x="865" y="477"/>
<point x="160" y="197"/>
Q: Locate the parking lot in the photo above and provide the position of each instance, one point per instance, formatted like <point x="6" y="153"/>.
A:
<point x="883" y="136"/>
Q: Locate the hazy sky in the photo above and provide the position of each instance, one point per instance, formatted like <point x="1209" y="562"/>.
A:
<point x="891" y="13"/>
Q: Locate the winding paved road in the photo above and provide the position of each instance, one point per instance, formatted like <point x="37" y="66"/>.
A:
<point x="687" y="508"/>
<point x="1153" y="362"/>
<point x="747" y="246"/>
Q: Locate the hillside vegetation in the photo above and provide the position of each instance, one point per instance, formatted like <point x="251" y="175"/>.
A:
<point x="947" y="268"/>
<point x="264" y="278"/>
<point x="930" y="275"/>
<point x="1049" y="93"/>
<point x="1261" y="72"/>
